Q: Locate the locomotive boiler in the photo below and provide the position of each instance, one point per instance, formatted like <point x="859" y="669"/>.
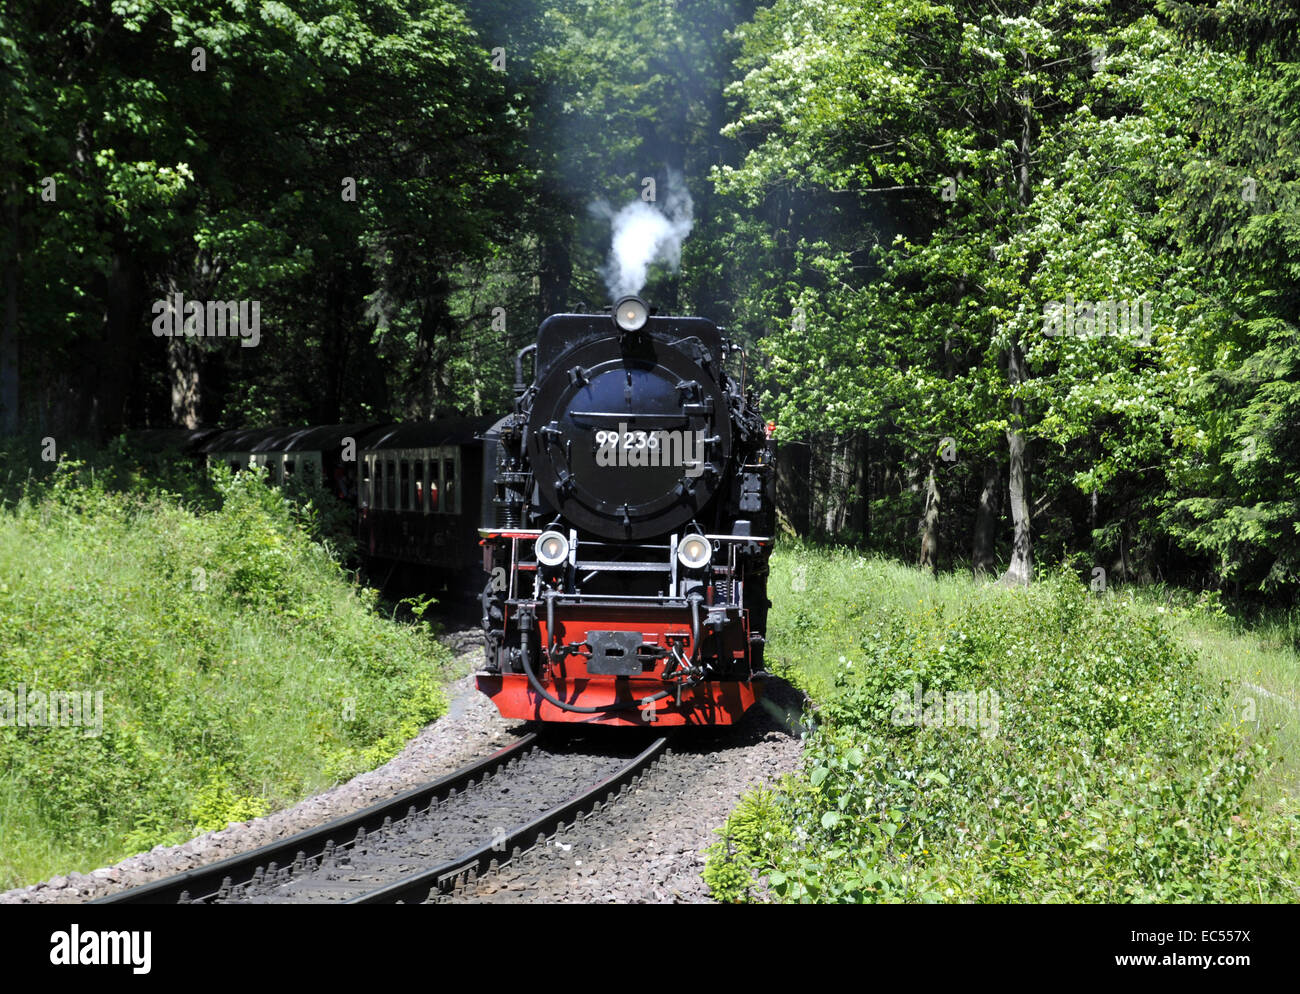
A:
<point x="628" y="530"/>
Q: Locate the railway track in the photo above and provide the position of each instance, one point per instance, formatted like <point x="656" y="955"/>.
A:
<point x="427" y="841"/>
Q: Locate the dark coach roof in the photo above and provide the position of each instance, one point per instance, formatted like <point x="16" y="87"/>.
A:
<point x="368" y="435"/>
<point x="419" y="434"/>
<point x="315" y="438"/>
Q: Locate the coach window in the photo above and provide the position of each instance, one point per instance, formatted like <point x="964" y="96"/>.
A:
<point x="364" y="491"/>
<point x="451" y="497"/>
<point x="406" y="485"/>
<point x="288" y="468"/>
<point x="442" y="483"/>
<point x="419" y="485"/>
<point x="390" y="484"/>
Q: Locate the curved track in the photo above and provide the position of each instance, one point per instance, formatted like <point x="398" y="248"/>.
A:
<point x="424" y="842"/>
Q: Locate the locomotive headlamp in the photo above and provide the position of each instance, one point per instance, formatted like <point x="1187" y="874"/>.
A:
<point x="694" y="551"/>
<point x="552" y="548"/>
<point x="630" y="313"/>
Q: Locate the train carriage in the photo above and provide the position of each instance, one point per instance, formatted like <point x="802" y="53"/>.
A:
<point x="419" y="499"/>
<point x="414" y="487"/>
<point x="320" y="451"/>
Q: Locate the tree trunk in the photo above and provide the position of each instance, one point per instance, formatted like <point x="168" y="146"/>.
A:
<point x="982" y="557"/>
<point x="929" y="527"/>
<point x="858" y="473"/>
<point x="832" y="487"/>
<point x="556" y="262"/>
<point x="1123" y="551"/>
<point x="793" y="490"/>
<point x="9" y="333"/>
<point x="183" y="358"/>
<point x="114" y="372"/>
<point x="1021" y="568"/>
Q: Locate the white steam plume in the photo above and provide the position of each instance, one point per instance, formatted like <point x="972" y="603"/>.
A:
<point x="644" y="233"/>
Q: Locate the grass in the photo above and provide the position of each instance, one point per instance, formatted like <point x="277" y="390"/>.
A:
<point x="1121" y="762"/>
<point x="1258" y="659"/>
<point x="240" y="669"/>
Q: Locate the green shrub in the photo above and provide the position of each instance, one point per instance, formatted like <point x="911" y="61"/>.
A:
<point x="756" y="824"/>
<point x="240" y="669"/>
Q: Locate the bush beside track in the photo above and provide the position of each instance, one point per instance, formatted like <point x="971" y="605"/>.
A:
<point x="240" y="669"/>
<point x="1117" y="768"/>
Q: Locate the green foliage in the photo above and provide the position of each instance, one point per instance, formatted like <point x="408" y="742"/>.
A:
<point x="1094" y="763"/>
<point x="221" y="176"/>
<point x="758" y="823"/>
<point x="216" y="805"/>
<point x="239" y="670"/>
<point x="1231" y="215"/>
<point x="922" y="182"/>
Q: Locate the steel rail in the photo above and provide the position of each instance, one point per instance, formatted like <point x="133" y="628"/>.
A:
<point x="446" y="877"/>
<point x="214" y="880"/>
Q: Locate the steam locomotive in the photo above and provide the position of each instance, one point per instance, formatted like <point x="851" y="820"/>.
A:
<point x="627" y="534"/>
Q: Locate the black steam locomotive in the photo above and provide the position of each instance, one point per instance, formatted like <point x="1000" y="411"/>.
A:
<point x="628" y="532"/>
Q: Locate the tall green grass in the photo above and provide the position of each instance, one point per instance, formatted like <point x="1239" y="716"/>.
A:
<point x="239" y="668"/>
<point x="1118" y="764"/>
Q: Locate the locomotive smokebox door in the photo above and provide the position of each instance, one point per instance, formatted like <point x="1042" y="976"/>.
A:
<point x="628" y="438"/>
<point x="614" y="653"/>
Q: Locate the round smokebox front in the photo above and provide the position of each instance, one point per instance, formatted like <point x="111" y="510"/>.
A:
<point x="628" y="444"/>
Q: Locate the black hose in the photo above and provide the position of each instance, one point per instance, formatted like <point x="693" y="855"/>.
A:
<point x="537" y="686"/>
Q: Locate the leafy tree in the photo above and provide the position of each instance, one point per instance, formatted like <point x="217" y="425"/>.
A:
<point x="208" y="151"/>
<point x="1233" y="212"/>
<point x="970" y="170"/>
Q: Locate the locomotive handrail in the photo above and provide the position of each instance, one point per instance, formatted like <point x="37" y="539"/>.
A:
<point x="534" y="532"/>
<point x="632" y="416"/>
<point x="519" y="367"/>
